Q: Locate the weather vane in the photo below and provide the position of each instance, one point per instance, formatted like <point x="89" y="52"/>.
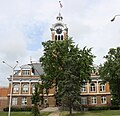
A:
<point x="60" y="4"/>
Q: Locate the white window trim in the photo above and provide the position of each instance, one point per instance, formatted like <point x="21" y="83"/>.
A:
<point x="93" y="99"/>
<point x="83" y="88"/>
<point x="24" y="101"/>
<point x="26" y="72"/>
<point x="15" y="88"/>
<point x="14" y="101"/>
<point x="33" y="88"/>
<point x="84" y="100"/>
<point x="101" y="87"/>
<point x="92" y="88"/>
<point x="25" y="89"/>
<point x="104" y="99"/>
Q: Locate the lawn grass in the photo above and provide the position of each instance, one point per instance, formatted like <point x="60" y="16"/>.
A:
<point x="93" y="113"/>
<point x="66" y="113"/>
<point x="23" y="114"/>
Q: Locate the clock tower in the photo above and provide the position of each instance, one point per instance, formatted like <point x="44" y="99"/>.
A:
<point x="59" y="30"/>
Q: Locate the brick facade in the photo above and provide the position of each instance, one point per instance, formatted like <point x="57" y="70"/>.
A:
<point x="93" y="93"/>
<point x="3" y="98"/>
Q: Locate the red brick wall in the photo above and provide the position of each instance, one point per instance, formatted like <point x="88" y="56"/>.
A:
<point x="3" y="98"/>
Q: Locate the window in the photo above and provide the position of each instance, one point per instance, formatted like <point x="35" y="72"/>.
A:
<point x="83" y="89"/>
<point x="24" y="101"/>
<point x="103" y="100"/>
<point x="92" y="87"/>
<point x="33" y="88"/>
<point x="102" y="87"/>
<point x="61" y="37"/>
<point x="44" y="91"/>
<point x="26" y="72"/>
<point x="94" y="100"/>
<point x="14" y="101"/>
<point x="58" y="37"/>
<point x="15" y="88"/>
<point x="55" y="37"/>
<point x="45" y="101"/>
<point x="25" y="88"/>
<point x="83" y="100"/>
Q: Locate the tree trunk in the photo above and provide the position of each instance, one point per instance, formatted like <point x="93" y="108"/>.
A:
<point x="118" y="85"/>
<point x="70" y="110"/>
<point x="56" y="84"/>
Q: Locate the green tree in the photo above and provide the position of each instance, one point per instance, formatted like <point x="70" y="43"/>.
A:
<point x="36" y="98"/>
<point x="67" y="67"/>
<point x="78" y="69"/>
<point x="110" y="71"/>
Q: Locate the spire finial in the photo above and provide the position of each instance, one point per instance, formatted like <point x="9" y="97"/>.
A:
<point x="59" y="17"/>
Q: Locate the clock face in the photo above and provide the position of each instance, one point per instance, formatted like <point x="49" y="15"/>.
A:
<point x="59" y="31"/>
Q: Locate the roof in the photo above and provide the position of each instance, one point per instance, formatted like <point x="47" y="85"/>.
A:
<point x="38" y="70"/>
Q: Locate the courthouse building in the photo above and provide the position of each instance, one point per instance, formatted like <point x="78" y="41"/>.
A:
<point x="94" y="93"/>
<point x="24" y="81"/>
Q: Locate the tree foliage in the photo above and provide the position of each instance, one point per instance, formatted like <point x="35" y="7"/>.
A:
<point x="36" y="98"/>
<point x="67" y="67"/>
<point x="110" y="71"/>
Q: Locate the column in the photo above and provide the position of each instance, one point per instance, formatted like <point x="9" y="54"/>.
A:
<point x="88" y="87"/>
<point x="29" y="86"/>
<point x="20" y="87"/>
<point x="97" y="85"/>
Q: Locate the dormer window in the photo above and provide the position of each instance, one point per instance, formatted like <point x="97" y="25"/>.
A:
<point x="26" y="72"/>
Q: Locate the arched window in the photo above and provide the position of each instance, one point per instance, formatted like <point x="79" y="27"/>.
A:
<point x="102" y="87"/>
<point x="33" y="88"/>
<point x="25" y="88"/>
<point x="58" y="37"/>
<point x="55" y="37"/>
<point x="15" y="88"/>
<point x="83" y="89"/>
<point x="61" y="37"/>
<point x="92" y="87"/>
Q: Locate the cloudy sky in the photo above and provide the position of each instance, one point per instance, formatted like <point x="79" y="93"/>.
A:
<point x="24" y="24"/>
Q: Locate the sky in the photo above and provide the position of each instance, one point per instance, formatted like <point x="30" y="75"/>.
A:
<point x="25" y="24"/>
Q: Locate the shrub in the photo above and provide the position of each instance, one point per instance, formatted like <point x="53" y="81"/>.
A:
<point x="99" y="108"/>
<point x="17" y="109"/>
<point x="115" y="107"/>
